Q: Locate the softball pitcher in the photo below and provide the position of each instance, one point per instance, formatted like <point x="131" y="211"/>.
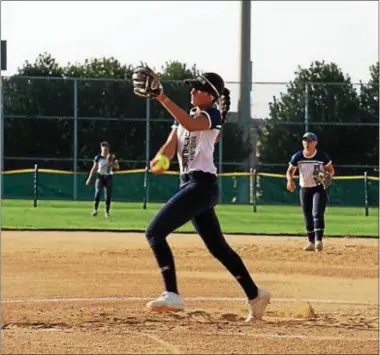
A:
<point x="315" y="173"/>
<point x="193" y="137"/>
<point x="104" y="165"/>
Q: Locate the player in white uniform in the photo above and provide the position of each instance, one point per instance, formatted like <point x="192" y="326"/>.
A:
<point x="193" y="138"/>
<point x="103" y="168"/>
<point x="313" y="197"/>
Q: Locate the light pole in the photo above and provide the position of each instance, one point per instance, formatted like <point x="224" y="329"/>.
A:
<point x="3" y="60"/>
<point x="244" y="103"/>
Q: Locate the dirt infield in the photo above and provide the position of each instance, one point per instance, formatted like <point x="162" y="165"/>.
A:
<point x="72" y="292"/>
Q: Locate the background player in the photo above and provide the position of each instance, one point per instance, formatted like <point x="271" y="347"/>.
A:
<point x="313" y="196"/>
<point x="193" y="137"/>
<point x="104" y="165"/>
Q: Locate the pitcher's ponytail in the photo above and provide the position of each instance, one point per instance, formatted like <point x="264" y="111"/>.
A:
<point x="225" y="103"/>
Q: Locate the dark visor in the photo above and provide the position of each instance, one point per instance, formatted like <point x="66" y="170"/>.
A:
<point x="201" y="84"/>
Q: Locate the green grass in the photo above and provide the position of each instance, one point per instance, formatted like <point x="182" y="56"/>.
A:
<point x="19" y="214"/>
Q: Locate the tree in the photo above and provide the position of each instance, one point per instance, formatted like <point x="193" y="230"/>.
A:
<point x="105" y="68"/>
<point x="332" y="101"/>
<point x="35" y="96"/>
<point x="369" y="101"/>
<point x="28" y="96"/>
<point x="175" y="70"/>
<point x="111" y="98"/>
<point x="44" y="65"/>
<point x="31" y="97"/>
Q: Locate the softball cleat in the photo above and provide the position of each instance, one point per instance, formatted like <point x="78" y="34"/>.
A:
<point x="168" y="301"/>
<point x="257" y="306"/>
<point x="319" y="245"/>
<point x="309" y="247"/>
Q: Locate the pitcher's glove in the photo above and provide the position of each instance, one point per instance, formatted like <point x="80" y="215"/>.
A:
<point x="110" y="158"/>
<point x="322" y="178"/>
<point x="146" y="83"/>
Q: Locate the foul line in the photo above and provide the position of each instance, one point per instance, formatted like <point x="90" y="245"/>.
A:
<point x="288" y="336"/>
<point x="172" y="348"/>
<point x="130" y="299"/>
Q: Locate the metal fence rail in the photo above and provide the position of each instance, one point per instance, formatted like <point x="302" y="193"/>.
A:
<point x="83" y="101"/>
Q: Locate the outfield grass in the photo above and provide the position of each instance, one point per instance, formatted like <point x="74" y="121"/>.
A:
<point x="340" y="221"/>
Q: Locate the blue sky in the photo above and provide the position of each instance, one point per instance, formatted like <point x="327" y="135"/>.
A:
<point x="284" y="35"/>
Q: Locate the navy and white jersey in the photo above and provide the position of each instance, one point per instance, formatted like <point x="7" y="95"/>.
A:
<point x="308" y="165"/>
<point x="195" y="150"/>
<point x="103" y="168"/>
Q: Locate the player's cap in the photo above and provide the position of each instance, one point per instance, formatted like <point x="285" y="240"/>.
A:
<point x="211" y="83"/>
<point x="310" y="137"/>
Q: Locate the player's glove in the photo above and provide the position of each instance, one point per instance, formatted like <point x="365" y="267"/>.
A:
<point x="110" y="158"/>
<point x="322" y="178"/>
<point x="146" y="83"/>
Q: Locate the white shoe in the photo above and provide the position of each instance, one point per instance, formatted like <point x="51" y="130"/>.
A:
<point x="95" y="213"/>
<point x="168" y="301"/>
<point x="309" y="247"/>
<point x="106" y="214"/>
<point x="256" y="307"/>
<point x="318" y="245"/>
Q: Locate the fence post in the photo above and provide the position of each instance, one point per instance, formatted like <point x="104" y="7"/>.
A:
<point x="75" y="167"/>
<point x="366" y="211"/>
<point x="250" y="186"/>
<point x="254" y="190"/>
<point x="2" y="145"/>
<point x="306" y="107"/>
<point x="35" y="186"/>
<point x="147" y="154"/>
<point x="220" y="167"/>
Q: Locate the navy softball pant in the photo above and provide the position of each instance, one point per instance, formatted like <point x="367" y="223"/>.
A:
<point x="314" y="202"/>
<point x="103" y="182"/>
<point x="195" y="201"/>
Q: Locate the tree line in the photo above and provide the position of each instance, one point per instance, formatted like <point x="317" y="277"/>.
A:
<point x="111" y="97"/>
<point x="346" y="116"/>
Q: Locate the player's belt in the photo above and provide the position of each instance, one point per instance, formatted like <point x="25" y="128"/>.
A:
<point x="199" y="176"/>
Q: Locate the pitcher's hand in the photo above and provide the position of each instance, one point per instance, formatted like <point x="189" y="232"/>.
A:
<point x="291" y="186"/>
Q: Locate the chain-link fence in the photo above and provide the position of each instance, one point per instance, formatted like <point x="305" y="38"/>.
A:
<point x="58" y="124"/>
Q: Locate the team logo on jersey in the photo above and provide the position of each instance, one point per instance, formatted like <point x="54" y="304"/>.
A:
<point x="317" y="168"/>
<point x="188" y="151"/>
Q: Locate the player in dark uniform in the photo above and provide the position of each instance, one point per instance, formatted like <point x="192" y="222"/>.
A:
<point x="104" y="165"/>
<point x="193" y="137"/>
<point x="313" y="196"/>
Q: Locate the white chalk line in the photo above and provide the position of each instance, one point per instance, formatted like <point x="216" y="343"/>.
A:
<point x="131" y="299"/>
<point x="288" y="336"/>
<point x="172" y="348"/>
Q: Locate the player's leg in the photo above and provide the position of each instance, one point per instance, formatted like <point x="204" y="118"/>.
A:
<point x="306" y="199"/>
<point x="108" y="194"/>
<point x="208" y="227"/>
<point x="320" y="199"/>
<point x="180" y="209"/>
<point x="98" y="189"/>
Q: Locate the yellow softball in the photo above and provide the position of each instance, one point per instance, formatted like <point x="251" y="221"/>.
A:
<point x="163" y="163"/>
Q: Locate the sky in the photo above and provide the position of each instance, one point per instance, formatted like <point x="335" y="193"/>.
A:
<point x="284" y="35"/>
